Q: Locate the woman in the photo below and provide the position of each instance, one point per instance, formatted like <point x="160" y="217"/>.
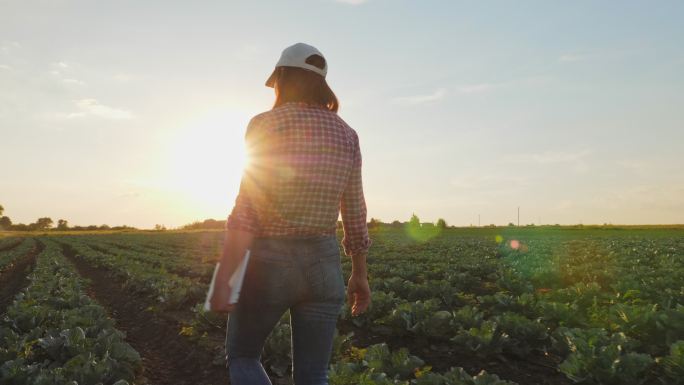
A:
<point x="305" y="168"/>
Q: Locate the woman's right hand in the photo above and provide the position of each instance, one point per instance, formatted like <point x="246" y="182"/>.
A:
<point x="219" y="301"/>
<point x="358" y="293"/>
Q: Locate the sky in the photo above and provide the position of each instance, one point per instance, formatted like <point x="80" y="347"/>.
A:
<point x="131" y="112"/>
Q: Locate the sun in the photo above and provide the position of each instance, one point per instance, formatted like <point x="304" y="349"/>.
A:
<point x="206" y="158"/>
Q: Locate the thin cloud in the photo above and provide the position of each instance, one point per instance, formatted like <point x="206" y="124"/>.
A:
<point x="60" y="68"/>
<point x="634" y="165"/>
<point x="122" y="77"/>
<point x="488" y="181"/>
<point x="351" y="2"/>
<point x="92" y="108"/>
<point x="248" y="51"/>
<point x="6" y="47"/>
<point x="476" y="88"/>
<point x="550" y="157"/>
<point x="73" y="81"/>
<point x="648" y="197"/>
<point x="66" y="73"/>
<point x="578" y="56"/>
<point x="563" y="205"/>
<point x="571" y="57"/>
<point x="421" y="99"/>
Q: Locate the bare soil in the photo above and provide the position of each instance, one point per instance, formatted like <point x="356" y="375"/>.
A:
<point x="168" y="358"/>
<point x="15" y="276"/>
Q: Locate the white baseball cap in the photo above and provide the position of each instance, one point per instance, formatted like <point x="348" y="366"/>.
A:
<point x="295" y="56"/>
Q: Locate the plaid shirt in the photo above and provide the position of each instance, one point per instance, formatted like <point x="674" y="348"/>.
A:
<point x="304" y="169"/>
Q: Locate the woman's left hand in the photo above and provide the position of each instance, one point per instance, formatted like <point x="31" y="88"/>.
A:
<point x="220" y="297"/>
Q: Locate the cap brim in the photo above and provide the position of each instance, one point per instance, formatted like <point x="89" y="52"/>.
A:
<point x="271" y="79"/>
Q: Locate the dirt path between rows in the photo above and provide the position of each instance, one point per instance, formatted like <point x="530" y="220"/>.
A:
<point x="168" y="358"/>
<point x="15" y="277"/>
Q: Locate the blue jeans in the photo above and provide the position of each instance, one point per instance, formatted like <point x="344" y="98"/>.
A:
<point x="303" y="275"/>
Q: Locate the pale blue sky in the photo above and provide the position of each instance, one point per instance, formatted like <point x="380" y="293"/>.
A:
<point x="129" y="112"/>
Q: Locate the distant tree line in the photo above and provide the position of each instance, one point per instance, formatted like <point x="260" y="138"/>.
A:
<point x="209" y="224"/>
<point x="46" y="223"/>
<point x="413" y="222"/>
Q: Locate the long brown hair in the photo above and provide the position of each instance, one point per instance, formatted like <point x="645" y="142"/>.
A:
<point x="295" y="84"/>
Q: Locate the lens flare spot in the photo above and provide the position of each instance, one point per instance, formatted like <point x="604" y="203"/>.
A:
<point x="515" y="244"/>
<point x="423" y="232"/>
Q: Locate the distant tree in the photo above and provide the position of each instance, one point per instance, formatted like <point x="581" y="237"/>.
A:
<point x="22" y="227"/>
<point x="396" y="224"/>
<point x="511" y="224"/>
<point x="421" y="232"/>
<point x="5" y="223"/>
<point x="2" y="210"/>
<point x="374" y="223"/>
<point x="191" y="226"/>
<point x="414" y="221"/>
<point x="213" y="224"/>
<point x="43" y="223"/>
<point x="104" y="227"/>
<point x="62" y="224"/>
<point x="441" y="223"/>
<point x="123" y="227"/>
<point x="159" y="227"/>
<point x="206" y="224"/>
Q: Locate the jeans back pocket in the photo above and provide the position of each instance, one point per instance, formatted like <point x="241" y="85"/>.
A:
<point x="325" y="279"/>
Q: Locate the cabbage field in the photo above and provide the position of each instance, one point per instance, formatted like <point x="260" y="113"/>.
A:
<point x="454" y="306"/>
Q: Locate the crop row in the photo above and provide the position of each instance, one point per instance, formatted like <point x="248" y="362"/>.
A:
<point x="193" y="245"/>
<point x="185" y="263"/>
<point x="53" y="333"/>
<point x="378" y="365"/>
<point x="373" y="365"/>
<point x="7" y="257"/>
<point x="8" y="243"/>
<point x="600" y="313"/>
<point x="164" y="288"/>
<point x="609" y="308"/>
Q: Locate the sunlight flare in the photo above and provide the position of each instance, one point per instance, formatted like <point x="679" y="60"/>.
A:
<point x="206" y="158"/>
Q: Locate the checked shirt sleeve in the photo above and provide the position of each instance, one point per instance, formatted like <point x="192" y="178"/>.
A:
<point x="353" y="210"/>
<point x="244" y="216"/>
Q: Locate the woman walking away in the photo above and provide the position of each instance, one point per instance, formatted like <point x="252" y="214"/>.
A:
<point x="304" y="169"/>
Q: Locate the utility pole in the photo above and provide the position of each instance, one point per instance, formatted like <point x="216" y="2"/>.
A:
<point x="478" y="220"/>
<point x="518" y="216"/>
